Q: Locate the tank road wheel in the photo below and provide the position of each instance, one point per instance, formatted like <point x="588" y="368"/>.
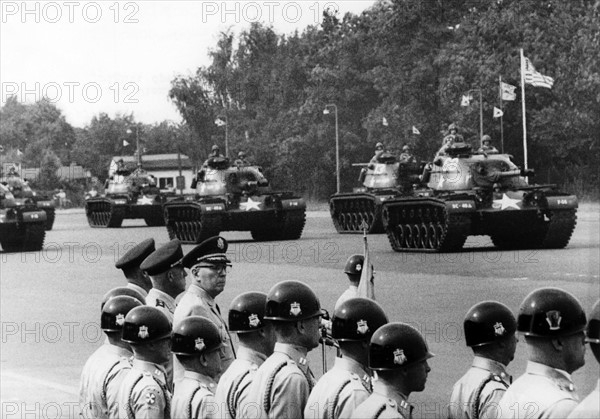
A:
<point x="416" y="233"/>
<point x="559" y="229"/>
<point x="432" y="242"/>
<point x="191" y="225"/>
<point x="424" y="236"/>
<point x="407" y="235"/>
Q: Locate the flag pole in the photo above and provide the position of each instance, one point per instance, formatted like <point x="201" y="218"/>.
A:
<point x="523" y="110"/>
<point x="501" y="116"/>
<point x="480" y="117"/>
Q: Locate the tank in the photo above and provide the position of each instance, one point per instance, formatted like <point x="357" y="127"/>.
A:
<point x="128" y="195"/>
<point x="22" y="224"/>
<point x="20" y="190"/>
<point x="465" y="194"/>
<point x="232" y="198"/>
<point x="361" y="208"/>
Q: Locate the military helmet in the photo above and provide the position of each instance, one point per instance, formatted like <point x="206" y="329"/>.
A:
<point x="452" y="127"/>
<point x="379" y="145"/>
<point x="397" y="345"/>
<point x="406" y="147"/>
<point x="215" y="148"/>
<point x="593" y="327"/>
<point x="122" y="291"/>
<point x="549" y="312"/>
<point x="115" y="310"/>
<point x="247" y="312"/>
<point x="486" y="138"/>
<point x="145" y="324"/>
<point x="292" y="301"/>
<point x="354" y="265"/>
<point x="487" y="322"/>
<point x="357" y="319"/>
<point x="195" y="335"/>
<point x="241" y="154"/>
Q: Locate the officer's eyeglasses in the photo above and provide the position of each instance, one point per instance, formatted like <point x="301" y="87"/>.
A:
<point x="219" y="268"/>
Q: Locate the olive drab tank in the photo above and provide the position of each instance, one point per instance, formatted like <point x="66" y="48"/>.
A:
<point x="234" y="198"/>
<point x="352" y="211"/>
<point x="128" y="195"/>
<point x="21" y="190"/>
<point x="22" y="223"/>
<point x="465" y="194"/>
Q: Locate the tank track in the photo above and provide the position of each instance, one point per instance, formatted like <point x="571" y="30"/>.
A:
<point x="29" y="237"/>
<point x="50" y="216"/>
<point x="349" y="213"/>
<point x="190" y="225"/>
<point x="555" y="233"/>
<point x="424" y="226"/>
<point x="288" y="227"/>
<point x="104" y="215"/>
<point x="155" y="220"/>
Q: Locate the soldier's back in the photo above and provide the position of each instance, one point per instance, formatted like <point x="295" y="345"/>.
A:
<point x="378" y="406"/>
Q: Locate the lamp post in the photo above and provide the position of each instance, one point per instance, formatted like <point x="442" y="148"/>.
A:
<point x="137" y="145"/>
<point x="337" y="143"/>
<point x="220" y="122"/>
<point x="480" y="113"/>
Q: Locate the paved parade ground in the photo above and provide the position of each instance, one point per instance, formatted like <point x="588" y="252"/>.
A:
<point x="50" y="300"/>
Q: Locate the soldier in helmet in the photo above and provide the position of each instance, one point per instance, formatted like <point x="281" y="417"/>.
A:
<point x="486" y="145"/>
<point x="553" y="323"/>
<point x="256" y="338"/>
<point x="379" y="149"/>
<point x="281" y="385"/>
<point x="115" y="292"/>
<point x="490" y="330"/>
<point x="208" y="264"/>
<point x="348" y="383"/>
<point x="167" y="276"/>
<point x="130" y="263"/>
<point x="215" y="152"/>
<point x="144" y="392"/>
<point x="105" y="369"/>
<point x="196" y="342"/>
<point x="399" y="354"/>
<point x="450" y="139"/>
<point x="407" y="156"/>
<point x="242" y="160"/>
<point x="590" y="406"/>
<point x="354" y="267"/>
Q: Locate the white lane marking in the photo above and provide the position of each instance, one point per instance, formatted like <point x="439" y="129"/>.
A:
<point x="524" y="278"/>
<point x="73" y="391"/>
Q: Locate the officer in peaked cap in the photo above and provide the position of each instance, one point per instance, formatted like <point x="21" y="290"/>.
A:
<point x="256" y="338"/>
<point x="130" y="264"/>
<point x="490" y="330"/>
<point x="115" y="292"/>
<point x="105" y="369"/>
<point x="145" y="391"/>
<point x="553" y="323"/>
<point x="590" y="406"/>
<point x="353" y="269"/>
<point x="167" y="276"/>
<point x="196" y="342"/>
<point x="348" y="383"/>
<point x="208" y="264"/>
<point x="281" y="385"/>
<point x="399" y="354"/>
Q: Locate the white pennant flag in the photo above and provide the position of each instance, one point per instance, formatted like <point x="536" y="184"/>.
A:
<point x="125" y="143"/>
<point x="219" y="122"/>
<point x="498" y="112"/>
<point x="466" y="100"/>
<point x="415" y="131"/>
<point x="384" y="121"/>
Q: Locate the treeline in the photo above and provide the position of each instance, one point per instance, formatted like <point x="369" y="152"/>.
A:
<point x="405" y="62"/>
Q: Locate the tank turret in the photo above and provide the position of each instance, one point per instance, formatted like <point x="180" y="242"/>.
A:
<point x="22" y="224"/>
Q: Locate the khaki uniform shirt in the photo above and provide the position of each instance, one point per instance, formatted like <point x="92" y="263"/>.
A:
<point x="137" y="288"/>
<point x="100" y="378"/>
<point x="542" y="392"/>
<point x="385" y="402"/>
<point x="339" y="392"/>
<point x="162" y="301"/>
<point x="479" y="390"/>
<point x="144" y="392"/>
<point x="351" y="292"/>
<point x="196" y="302"/>
<point x="280" y="387"/>
<point x="589" y="407"/>
<point x="235" y="381"/>
<point x="194" y="397"/>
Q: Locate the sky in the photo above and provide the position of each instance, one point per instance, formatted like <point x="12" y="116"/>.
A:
<point x="89" y="57"/>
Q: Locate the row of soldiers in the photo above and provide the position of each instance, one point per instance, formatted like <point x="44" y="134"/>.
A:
<point x="152" y="336"/>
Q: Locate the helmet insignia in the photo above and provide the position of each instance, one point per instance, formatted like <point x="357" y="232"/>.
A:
<point x="499" y="329"/>
<point x="120" y="319"/>
<point x="553" y="318"/>
<point x="253" y="320"/>
<point x="199" y="344"/>
<point x="295" y="309"/>
<point x="358" y="267"/>
<point x="143" y="332"/>
<point x="399" y="357"/>
<point x="362" y="327"/>
<point x="220" y="243"/>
